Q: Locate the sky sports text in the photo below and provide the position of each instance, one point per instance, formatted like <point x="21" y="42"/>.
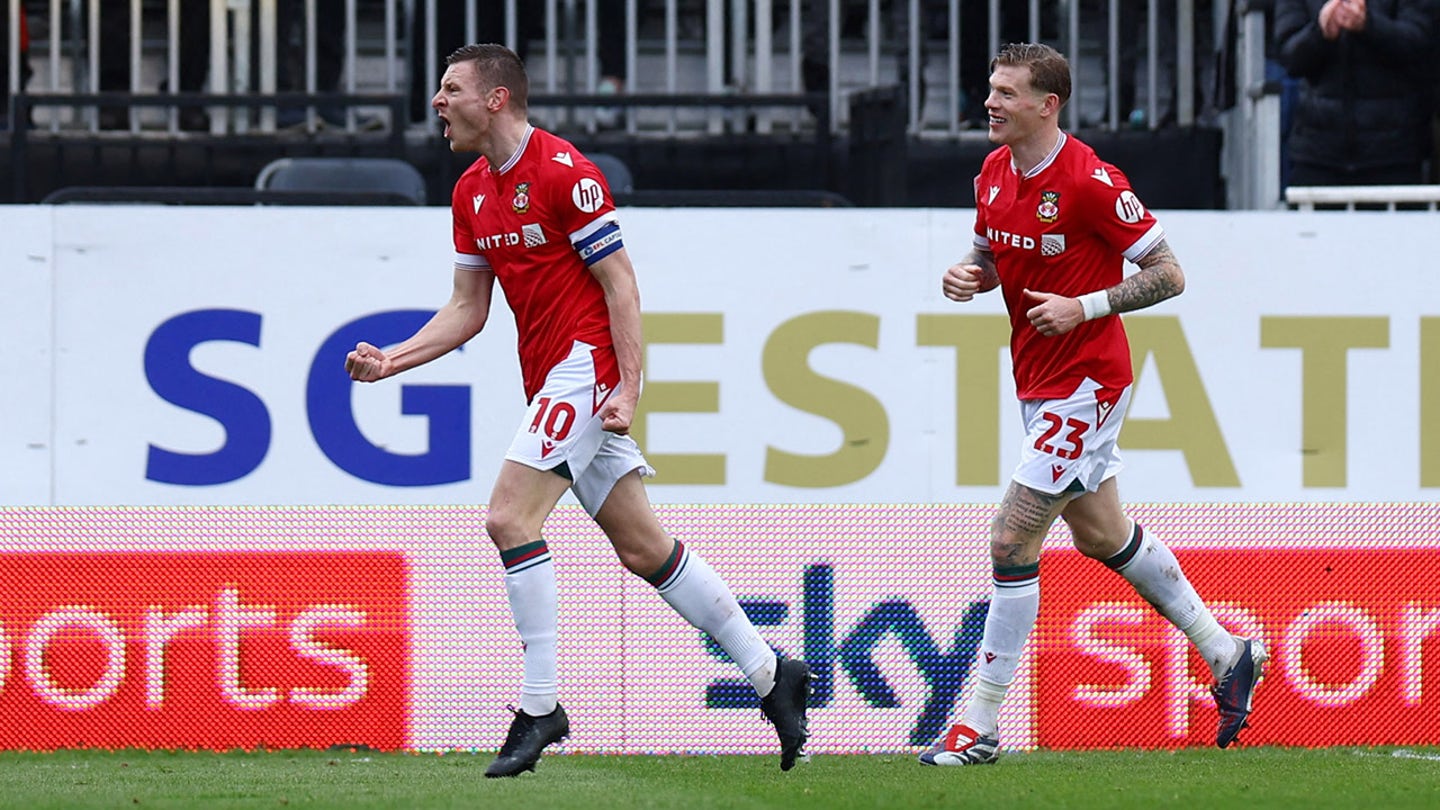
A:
<point x="235" y="649"/>
<point x="204" y="649"/>
<point x="1350" y="633"/>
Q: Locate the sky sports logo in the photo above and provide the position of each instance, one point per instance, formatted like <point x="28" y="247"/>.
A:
<point x="203" y="649"/>
<point x="179" y="635"/>
<point x="1354" y="638"/>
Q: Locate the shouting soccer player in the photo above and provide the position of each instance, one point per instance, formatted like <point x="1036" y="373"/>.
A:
<point x="536" y="215"/>
<point x="1053" y="226"/>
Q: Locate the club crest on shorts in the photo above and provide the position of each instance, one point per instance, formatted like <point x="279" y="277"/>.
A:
<point x="1049" y="209"/>
<point x="521" y="203"/>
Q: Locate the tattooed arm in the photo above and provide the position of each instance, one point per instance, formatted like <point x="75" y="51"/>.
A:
<point x="1160" y="277"/>
<point x="973" y="274"/>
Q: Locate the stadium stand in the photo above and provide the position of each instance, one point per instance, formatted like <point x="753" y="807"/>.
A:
<point x="712" y="104"/>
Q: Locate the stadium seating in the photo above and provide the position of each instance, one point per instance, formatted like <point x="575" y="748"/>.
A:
<point x="344" y="175"/>
<point x="617" y="173"/>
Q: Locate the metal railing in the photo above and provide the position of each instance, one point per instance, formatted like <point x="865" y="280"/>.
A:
<point x="145" y="47"/>
<point x="1251" y="159"/>
<point x="1351" y="198"/>
<point x="667" y="46"/>
<point x="671" y="50"/>
<point x="21" y="106"/>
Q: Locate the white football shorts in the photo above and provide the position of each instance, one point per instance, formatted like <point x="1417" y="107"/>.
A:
<point x="562" y="430"/>
<point x="1071" y="444"/>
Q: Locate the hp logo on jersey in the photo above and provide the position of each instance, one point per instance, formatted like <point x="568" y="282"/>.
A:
<point x="587" y="195"/>
<point x="1128" y="207"/>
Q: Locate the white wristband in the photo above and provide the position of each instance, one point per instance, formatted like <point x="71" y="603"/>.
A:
<point x="1095" y="304"/>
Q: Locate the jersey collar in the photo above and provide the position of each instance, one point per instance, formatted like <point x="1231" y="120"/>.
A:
<point x="1044" y="164"/>
<point x="519" y="150"/>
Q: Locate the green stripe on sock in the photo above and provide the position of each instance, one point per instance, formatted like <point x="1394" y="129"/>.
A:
<point x="1126" y="554"/>
<point x="1013" y="574"/>
<point x="664" y="571"/>
<point x="512" y="555"/>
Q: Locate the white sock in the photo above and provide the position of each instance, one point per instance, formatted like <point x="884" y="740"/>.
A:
<point x="1014" y="605"/>
<point x="530" y="585"/>
<point x="689" y="585"/>
<point x="1152" y="569"/>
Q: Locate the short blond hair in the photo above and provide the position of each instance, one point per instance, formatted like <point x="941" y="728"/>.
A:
<point x="1049" y="70"/>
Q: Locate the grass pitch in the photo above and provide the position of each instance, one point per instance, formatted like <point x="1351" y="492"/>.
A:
<point x="1201" y="778"/>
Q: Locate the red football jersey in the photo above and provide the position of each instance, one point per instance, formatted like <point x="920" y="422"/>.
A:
<point x="1064" y="228"/>
<point x="538" y="222"/>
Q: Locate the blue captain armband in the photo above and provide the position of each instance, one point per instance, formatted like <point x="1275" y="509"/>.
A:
<point x="596" y="246"/>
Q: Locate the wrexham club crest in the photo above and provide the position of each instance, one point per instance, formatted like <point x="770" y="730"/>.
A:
<point x="1049" y="209"/>
<point x="521" y="203"/>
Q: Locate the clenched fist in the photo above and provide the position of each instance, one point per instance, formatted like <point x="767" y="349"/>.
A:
<point x="961" y="282"/>
<point x="366" y="363"/>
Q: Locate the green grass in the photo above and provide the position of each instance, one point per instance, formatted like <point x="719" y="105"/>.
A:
<point x="1208" y="778"/>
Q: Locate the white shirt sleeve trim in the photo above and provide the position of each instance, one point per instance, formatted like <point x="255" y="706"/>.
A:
<point x="1145" y="243"/>
<point x="470" y="261"/>
<point x="595" y="225"/>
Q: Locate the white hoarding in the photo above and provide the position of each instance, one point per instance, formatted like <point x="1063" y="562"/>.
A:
<point x="27" y="346"/>
<point x="794" y="356"/>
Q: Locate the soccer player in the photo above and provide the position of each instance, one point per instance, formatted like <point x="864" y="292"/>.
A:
<point x="536" y="215"/>
<point x="1053" y="226"/>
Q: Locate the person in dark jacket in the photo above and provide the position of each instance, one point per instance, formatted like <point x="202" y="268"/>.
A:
<point x="1365" y="102"/>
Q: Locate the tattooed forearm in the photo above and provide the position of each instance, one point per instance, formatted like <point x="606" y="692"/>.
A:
<point x="989" y="277"/>
<point x="1160" y="277"/>
<point x="1019" y="529"/>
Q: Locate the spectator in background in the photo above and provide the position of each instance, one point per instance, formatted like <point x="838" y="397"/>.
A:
<point x="194" y="57"/>
<point x="115" y="60"/>
<point x="975" y="50"/>
<point x="610" y="48"/>
<point x="1366" y="100"/>
<point x="1133" y="45"/>
<point x="25" y="71"/>
<point x="853" y="18"/>
<point x="330" y="24"/>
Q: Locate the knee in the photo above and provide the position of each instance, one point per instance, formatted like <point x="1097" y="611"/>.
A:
<point x="999" y="553"/>
<point x="1097" y="546"/>
<point x="1098" y="540"/>
<point x="643" y="555"/>
<point x="507" y="530"/>
<point x="1098" y="523"/>
<point x="1007" y="552"/>
<point x="633" y="560"/>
